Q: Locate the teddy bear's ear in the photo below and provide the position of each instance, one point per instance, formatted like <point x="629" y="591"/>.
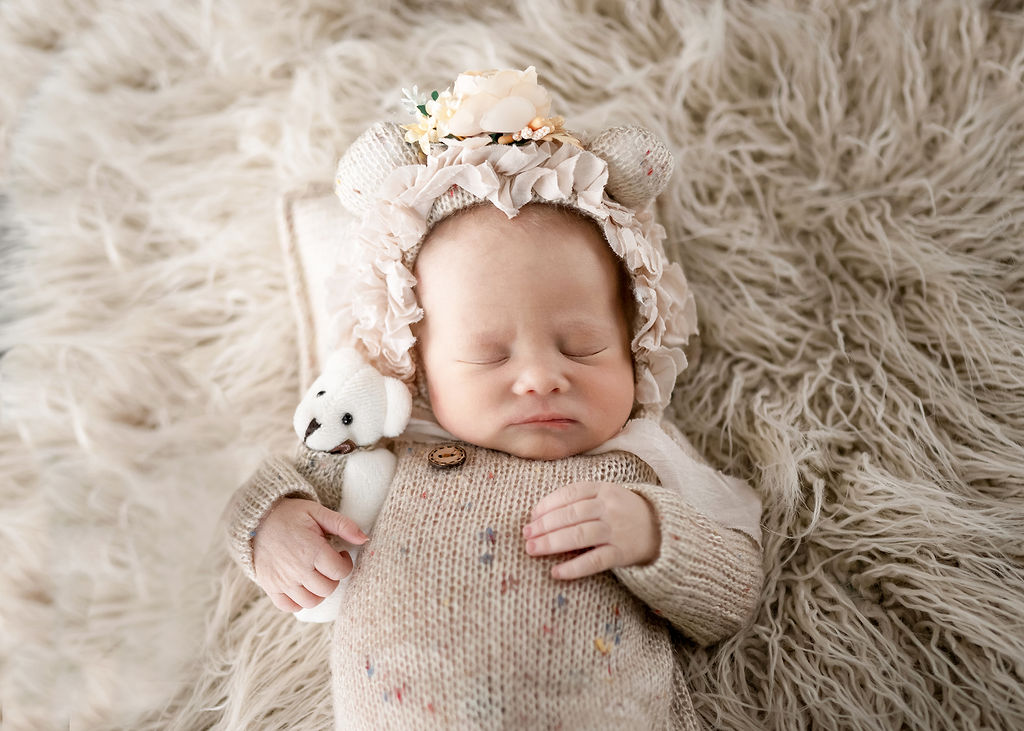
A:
<point x="639" y="164"/>
<point x="368" y="160"/>
<point x="399" y="407"/>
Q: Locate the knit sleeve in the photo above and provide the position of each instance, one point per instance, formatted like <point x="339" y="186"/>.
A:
<point x="275" y="478"/>
<point x="707" y="578"/>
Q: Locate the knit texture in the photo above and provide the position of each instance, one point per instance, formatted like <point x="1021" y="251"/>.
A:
<point x="276" y="479"/>
<point x="303" y="218"/>
<point x="448" y="622"/>
<point x="370" y="159"/>
<point x="640" y="160"/>
<point x="454" y="199"/>
<point x="723" y="570"/>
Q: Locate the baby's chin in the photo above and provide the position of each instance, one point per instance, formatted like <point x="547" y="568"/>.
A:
<point x="539" y="443"/>
<point x="544" y="446"/>
<point x="544" y="451"/>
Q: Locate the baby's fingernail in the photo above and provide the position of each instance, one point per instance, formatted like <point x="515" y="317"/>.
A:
<point x="527" y="530"/>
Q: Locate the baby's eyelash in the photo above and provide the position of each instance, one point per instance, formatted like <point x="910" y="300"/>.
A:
<point x="584" y="353"/>
<point x="490" y="361"/>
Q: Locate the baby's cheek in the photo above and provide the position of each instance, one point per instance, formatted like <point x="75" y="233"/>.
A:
<point x="617" y="391"/>
<point x="453" y="407"/>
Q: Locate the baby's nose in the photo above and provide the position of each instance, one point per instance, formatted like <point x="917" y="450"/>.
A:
<point x="540" y="377"/>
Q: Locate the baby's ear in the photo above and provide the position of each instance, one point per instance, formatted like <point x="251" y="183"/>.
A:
<point x="639" y="164"/>
<point x="399" y="407"/>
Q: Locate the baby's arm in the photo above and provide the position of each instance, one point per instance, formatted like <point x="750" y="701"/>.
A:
<point x="703" y="577"/>
<point x="707" y="578"/>
<point x="278" y="534"/>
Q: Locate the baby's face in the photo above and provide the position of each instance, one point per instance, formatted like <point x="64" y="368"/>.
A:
<point x="524" y="341"/>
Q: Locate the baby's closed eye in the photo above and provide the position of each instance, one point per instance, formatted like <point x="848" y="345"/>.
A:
<point x="579" y="353"/>
<point x="582" y="348"/>
<point x="485" y="357"/>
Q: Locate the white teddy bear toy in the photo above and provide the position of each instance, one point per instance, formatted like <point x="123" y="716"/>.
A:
<point x="349" y="408"/>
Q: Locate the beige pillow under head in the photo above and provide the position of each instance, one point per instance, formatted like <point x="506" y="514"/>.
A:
<point x="312" y="229"/>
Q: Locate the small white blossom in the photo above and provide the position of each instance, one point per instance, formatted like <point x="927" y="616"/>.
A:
<point x="411" y="100"/>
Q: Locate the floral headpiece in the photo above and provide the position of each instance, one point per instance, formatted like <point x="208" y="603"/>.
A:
<point x="508" y="106"/>
<point x="491" y="139"/>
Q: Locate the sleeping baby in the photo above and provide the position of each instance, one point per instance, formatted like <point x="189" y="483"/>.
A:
<point x="546" y="529"/>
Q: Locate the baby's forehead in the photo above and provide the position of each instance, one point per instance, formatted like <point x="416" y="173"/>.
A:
<point x="471" y="230"/>
<point x="481" y="255"/>
<point x="537" y="218"/>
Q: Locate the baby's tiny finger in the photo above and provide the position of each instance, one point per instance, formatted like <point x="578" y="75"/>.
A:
<point x="563" y="496"/>
<point x="339" y="525"/>
<point x="304" y="597"/>
<point x="333" y="565"/>
<point x="587" y="564"/>
<point x="282" y="602"/>
<point x="319" y="585"/>
<point x="580" y="511"/>
<point x="572" y="538"/>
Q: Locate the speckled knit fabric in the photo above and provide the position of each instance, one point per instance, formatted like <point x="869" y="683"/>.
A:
<point x="449" y="623"/>
<point x="371" y="163"/>
<point x="275" y="479"/>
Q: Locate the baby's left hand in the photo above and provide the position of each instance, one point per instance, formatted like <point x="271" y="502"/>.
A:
<point x="617" y="525"/>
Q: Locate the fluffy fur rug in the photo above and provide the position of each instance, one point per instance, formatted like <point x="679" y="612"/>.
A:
<point x="849" y="207"/>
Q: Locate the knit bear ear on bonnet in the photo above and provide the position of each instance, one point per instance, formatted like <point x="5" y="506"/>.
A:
<point x="492" y="139"/>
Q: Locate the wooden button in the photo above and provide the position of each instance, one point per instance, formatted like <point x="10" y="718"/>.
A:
<point x="446" y="456"/>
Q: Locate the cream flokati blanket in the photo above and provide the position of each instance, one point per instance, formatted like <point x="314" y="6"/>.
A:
<point x="848" y="206"/>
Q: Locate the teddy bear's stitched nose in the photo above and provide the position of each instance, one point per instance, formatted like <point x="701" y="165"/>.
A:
<point x="313" y="426"/>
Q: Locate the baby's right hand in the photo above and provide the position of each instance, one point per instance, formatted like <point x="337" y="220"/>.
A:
<point x="294" y="562"/>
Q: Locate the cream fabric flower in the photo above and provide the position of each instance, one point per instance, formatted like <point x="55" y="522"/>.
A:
<point x="490" y="106"/>
<point x="498" y="102"/>
<point x="434" y="126"/>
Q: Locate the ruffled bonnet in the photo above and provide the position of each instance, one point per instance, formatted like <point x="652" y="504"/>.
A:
<point x="491" y="139"/>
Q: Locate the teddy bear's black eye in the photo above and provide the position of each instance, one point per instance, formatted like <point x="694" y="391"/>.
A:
<point x="321" y="393"/>
<point x="346" y="418"/>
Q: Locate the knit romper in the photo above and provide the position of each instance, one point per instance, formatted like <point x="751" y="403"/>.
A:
<point x="448" y="623"/>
